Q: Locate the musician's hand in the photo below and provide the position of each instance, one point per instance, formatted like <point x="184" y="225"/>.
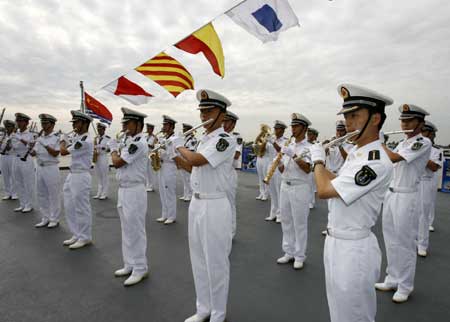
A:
<point x="178" y="142"/>
<point x="113" y="145"/>
<point x="64" y="138"/>
<point x="317" y="152"/>
<point x="271" y="140"/>
<point x="289" y="151"/>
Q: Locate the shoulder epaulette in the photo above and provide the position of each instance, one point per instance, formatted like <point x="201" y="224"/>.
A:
<point x="419" y="138"/>
<point x="84" y="138"/>
<point x="137" y="139"/>
<point x="374" y="155"/>
<point x="224" y="135"/>
<point x="107" y="136"/>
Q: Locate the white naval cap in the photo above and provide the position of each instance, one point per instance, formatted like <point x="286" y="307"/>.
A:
<point x="428" y="126"/>
<point x="409" y="111"/>
<point x="80" y="116"/>
<point x="356" y="97"/>
<point x="22" y="117"/>
<point x="340" y="125"/>
<point x="129" y="114"/>
<point x="102" y="125"/>
<point x="297" y="118"/>
<point x="9" y="123"/>
<point x="211" y="99"/>
<point x="279" y="124"/>
<point x="231" y="116"/>
<point x="47" y="118"/>
<point x="187" y="125"/>
<point x="168" y="119"/>
<point x="150" y="124"/>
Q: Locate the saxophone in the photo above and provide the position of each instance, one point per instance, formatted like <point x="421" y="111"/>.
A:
<point x="275" y="163"/>
<point x="259" y="146"/>
<point x="155" y="157"/>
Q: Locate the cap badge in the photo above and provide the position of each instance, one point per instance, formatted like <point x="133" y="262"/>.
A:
<point x="204" y="95"/>
<point x="344" y="92"/>
<point x="405" y="108"/>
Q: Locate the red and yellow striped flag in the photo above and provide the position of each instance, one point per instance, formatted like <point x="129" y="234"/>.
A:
<point x="206" y="41"/>
<point x="168" y="73"/>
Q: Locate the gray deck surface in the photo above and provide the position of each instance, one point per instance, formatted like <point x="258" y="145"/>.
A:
<point x="42" y="281"/>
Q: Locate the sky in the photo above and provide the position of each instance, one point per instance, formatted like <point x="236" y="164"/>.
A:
<point x="398" y="48"/>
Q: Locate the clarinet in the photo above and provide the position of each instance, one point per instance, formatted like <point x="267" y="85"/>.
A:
<point x="30" y="148"/>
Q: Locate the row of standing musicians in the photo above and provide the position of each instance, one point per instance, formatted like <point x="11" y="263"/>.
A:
<point x="357" y="179"/>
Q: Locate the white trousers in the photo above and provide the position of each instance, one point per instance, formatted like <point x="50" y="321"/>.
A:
<point x="48" y="192"/>
<point x="400" y="226"/>
<point x="313" y="191"/>
<point x="77" y="204"/>
<point x="7" y="162"/>
<point x="152" y="176"/>
<point x="294" y="219"/>
<point x="231" y="195"/>
<point x="352" y="267"/>
<point x="101" y="168"/>
<point x="132" y="208"/>
<point x="427" y="194"/>
<point x="186" y="178"/>
<point x="274" y="191"/>
<point x="262" y="165"/>
<point x="433" y="200"/>
<point x="24" y="178"/>
<point x="167" y="190"/>
<point x="209" y="247"/>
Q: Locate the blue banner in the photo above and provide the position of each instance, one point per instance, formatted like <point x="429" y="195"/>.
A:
<point x="248" y="159"/>
<point x="446" y="176"/>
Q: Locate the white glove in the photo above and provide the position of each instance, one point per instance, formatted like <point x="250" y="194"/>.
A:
<point x="113" y="145"/>
<point x="317" y="152"/>
<point x="286" y="150"/>
<point x="271" y="140"/>
<point x="381" y="136"/>
<point x="178" y="142"/>
<point x="64" y="138"/>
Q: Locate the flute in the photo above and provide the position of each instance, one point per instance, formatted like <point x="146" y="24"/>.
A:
<point x="341" y="139"/>
<point x="163" y="145"/>
<point x="398" y="132"/>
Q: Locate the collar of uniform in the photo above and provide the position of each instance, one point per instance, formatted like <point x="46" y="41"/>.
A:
<point x="362" y="151"/>
<point x="214" y="133"/>
<point x="50" y="134"/>
<point x="413" y="138"/>
<point x="301" y="142"/>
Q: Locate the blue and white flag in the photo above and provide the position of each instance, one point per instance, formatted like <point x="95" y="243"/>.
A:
<point x="264" y="19"/>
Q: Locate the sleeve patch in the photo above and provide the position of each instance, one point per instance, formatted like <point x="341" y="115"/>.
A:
<point x="365" y="176"/>
<point x="222" y="145"/>
<point x="374" y="155"/>
<point x="132" y="148"/>
<point x="78" y="145"/>
<point x="239" y="141"/>
<point x="416" y="146"/>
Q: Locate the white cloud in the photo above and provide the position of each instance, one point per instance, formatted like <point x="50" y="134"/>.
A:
<point x="399" y="48"/>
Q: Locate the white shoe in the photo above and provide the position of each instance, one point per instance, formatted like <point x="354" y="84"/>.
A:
<point x="385" y="287"/>
<point x="80" y="243"/>
<point x="123" y="272"/>
<point x="6" y="198"/>
<point x="96" y="197"/>
<point x="103" y="198"/>
<point x="278" y="220"/>
<point x="149" y="189"/>
<point x="181" y="198"/>
<point x="186" y="199"/>
<point x="422" y="253"/>
<point x="264" y="198"/>
<point x="311" y="206"/>
<point x="27" y="209"/>
<point x="135" y="278"/>
<point x="431" y="228"/>
<point x="70" y="241"/>
<point x="285" y="259"/>
<point x="270" y="218"/>
<point x="53" y="224"/>
<point x="43" y="223"/>
<point x="14" y="198"/>
<point x="169" y="221"/>
<point x="298" y="265"/>
<point x="18" y="209"/>
<point x="162" y="219"/>
<point x="259" y="197"/>
<point x="324" y="232"/>
<point x="399" y="297"/>
<point x="196" y="318"/>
